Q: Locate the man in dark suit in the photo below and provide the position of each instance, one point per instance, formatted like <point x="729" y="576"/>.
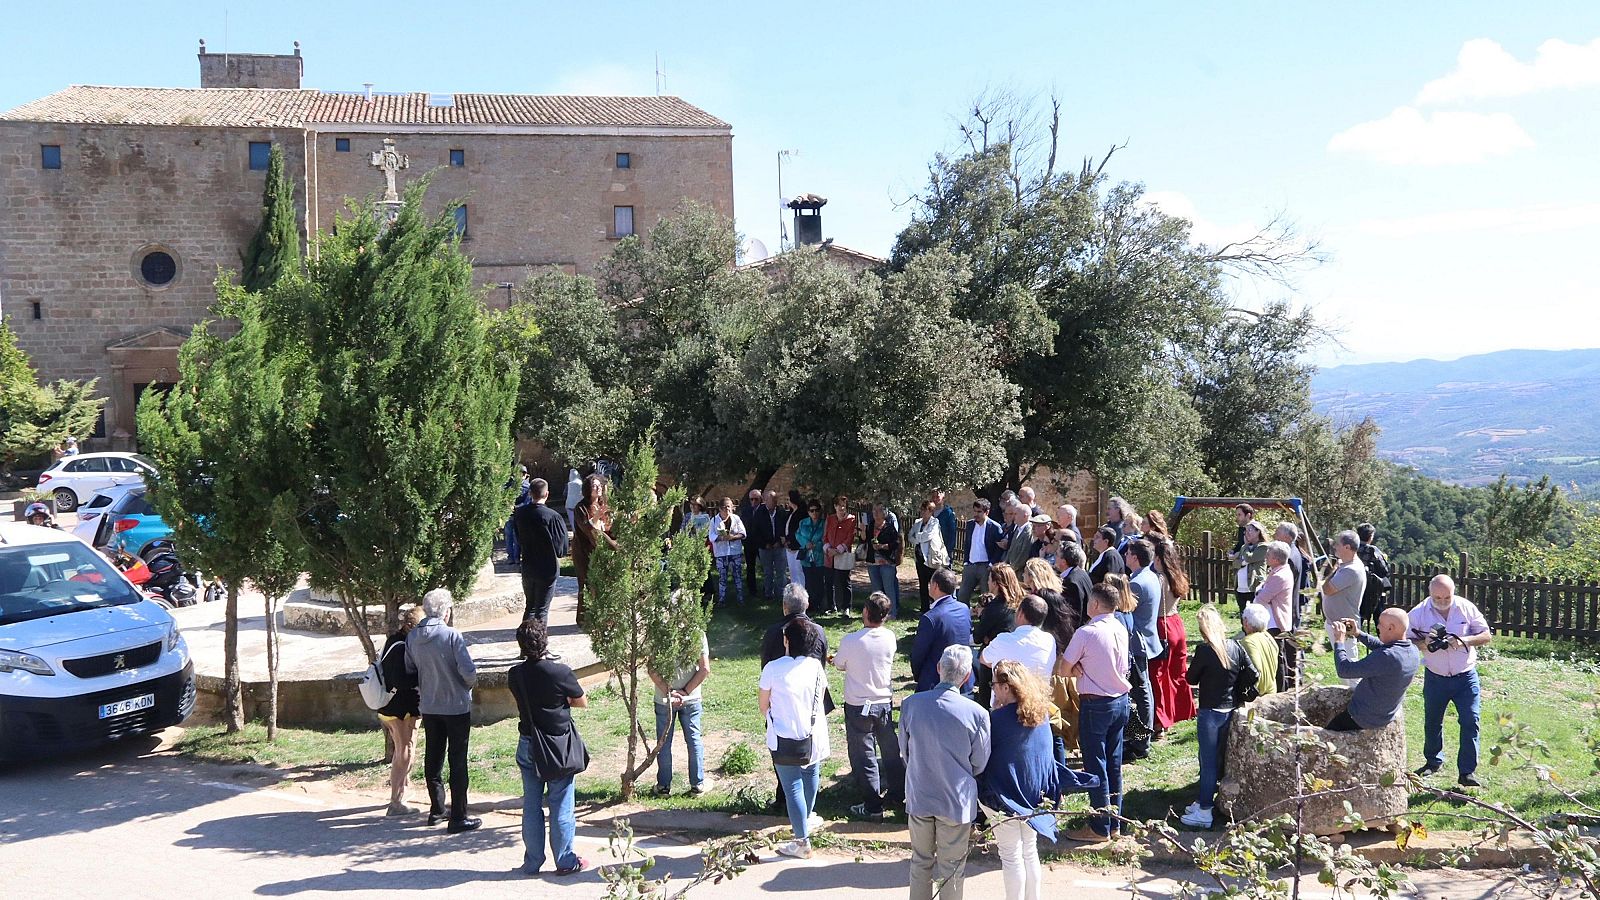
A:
<point x="982" y="546"/>
<point x="767" y="538"/>
<point x="752" y="549"/>
<point x="1109" y="561"/>
<point x="1075" y="581"/>
<point x="947" y="622"/>
<point x="542" y="537"/>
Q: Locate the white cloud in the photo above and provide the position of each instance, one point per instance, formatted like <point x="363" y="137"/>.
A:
<point x="1536" y="219"/>
<point x="1485" y="69"/>
<point x="1201" y="229"/>
<point x="605" y="80"/>
<point x="1409" y="137"/>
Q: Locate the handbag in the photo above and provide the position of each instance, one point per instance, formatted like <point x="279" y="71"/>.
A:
<point x="374" y="693"/>
<point x="560" y="755"/>
<point x="1247" y="683"/>
<point x="843" y="562"/>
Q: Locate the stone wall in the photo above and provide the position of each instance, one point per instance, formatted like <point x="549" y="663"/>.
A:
<point x="73" y="237"/>
<point x="532" y="200"/>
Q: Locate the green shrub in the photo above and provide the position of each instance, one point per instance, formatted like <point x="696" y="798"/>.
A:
<point x="739" y="759"/>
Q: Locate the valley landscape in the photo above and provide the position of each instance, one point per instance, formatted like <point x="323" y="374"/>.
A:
<point x="1525" y="413"/>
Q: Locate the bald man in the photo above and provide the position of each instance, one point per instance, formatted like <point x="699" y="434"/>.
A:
<point x="1385" y="672"/>
<point x="1451" y="674"/>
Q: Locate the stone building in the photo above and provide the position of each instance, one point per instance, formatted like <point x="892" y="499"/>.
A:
<point x="118" y="205"/>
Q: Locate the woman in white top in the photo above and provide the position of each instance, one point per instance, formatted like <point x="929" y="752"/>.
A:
<point x="797" y="734"/>
<point x="931" y="554"/>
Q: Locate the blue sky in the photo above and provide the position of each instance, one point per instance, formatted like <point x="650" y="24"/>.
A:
<point x="1446" y="161"/>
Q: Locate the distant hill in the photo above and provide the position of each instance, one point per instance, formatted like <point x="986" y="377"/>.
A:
<point x="1523" y="412"/>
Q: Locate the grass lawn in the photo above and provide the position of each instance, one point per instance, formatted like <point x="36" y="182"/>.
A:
<point x="1546" y="685"/>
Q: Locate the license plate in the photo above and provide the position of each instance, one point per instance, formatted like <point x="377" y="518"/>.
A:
<point x="123" y="707"/>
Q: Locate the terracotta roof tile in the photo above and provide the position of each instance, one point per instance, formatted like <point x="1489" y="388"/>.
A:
<point x="264" y="107"/>
<point x="84" y="104"/>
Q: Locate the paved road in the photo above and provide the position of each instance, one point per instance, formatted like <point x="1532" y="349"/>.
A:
<point x="144" y="825"/>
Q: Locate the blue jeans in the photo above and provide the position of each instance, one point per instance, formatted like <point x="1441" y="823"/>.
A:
<point x="1101" y="721"/>
<point x="1212" y="733"/>
<point x="799" y="785"/>
<point x="868" y="732"/>
<point x="1438" y="692"/>
<point x="513" y="551"/>
<point x="887" y="579"/>
<point x="667" y="720"/>
<point x="536" y="795"/>
<point x="730" y="570"/>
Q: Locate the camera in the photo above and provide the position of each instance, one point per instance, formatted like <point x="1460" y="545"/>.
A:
<point x="1439" y="638"/>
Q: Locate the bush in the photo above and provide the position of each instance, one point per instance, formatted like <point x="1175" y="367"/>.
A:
<point x="739" y="759"/>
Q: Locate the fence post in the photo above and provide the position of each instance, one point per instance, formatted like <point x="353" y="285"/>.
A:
<point x="1461" y="571"/>
<point x="1209" y="589"/>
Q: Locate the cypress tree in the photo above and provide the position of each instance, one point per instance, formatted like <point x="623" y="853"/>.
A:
<point x="406" y="470"/>
<point x="275" y="248"/>
<point x="225" y="441"/>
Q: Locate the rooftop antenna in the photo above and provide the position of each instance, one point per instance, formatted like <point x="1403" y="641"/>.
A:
<point x="783" y="228"/>
<point x="661" y="75"/>
<point x="224" y="39"/>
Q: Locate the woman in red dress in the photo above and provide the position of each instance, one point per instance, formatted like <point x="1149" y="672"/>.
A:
<point x="1169" y="675"/>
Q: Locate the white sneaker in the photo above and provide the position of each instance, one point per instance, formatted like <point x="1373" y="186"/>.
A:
<point x="795" y="849"/>
<point x="1192" y="808"/>
<point x="1200" y="818"/>
<point x="814" y="821"/>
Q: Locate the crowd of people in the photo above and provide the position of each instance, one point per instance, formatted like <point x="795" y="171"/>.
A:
<point x="1040" y="650"/>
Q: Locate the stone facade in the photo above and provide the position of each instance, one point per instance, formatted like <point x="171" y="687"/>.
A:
<point x="531" y="200"/>
<point x="168" y="170"/>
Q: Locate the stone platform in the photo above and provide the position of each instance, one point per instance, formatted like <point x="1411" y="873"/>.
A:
<point x="318" y="671"/>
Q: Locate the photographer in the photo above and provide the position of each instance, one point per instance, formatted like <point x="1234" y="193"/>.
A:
<point x="1449" y="630"/>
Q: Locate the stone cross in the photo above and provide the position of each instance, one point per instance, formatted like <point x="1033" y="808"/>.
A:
<point x="390" y="161"/>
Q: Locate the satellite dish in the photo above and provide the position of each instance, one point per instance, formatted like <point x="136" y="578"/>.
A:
<point x="753" y="251"/>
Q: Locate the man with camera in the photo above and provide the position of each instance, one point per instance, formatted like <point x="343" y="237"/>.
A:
<point x="1449" y="630"/>
<point x="1381" y="677"/>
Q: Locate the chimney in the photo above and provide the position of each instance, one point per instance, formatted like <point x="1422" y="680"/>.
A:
<point x="251" y="70"/>
<point x="807" y="219"/>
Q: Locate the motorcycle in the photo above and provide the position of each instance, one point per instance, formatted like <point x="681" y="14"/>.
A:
<point x="168" y="581"/>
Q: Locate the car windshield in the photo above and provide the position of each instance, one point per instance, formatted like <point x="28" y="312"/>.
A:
<point x="145" y="461"/>
<point x="39" y="580"/>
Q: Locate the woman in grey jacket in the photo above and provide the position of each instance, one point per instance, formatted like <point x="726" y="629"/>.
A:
<point x="445" y="677"/>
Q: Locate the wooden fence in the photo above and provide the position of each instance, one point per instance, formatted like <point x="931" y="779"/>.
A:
<point x="1519" y="605"/>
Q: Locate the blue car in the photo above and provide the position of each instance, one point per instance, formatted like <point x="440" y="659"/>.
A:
<point x="130" y="524"/>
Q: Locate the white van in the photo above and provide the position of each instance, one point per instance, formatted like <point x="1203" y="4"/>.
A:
<point x="84" y="657"/>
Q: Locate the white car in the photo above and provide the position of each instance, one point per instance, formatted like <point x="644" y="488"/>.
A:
<point x="71" y="480"/>
<point x="84" y="657"/>
<point x="89" y="513"/>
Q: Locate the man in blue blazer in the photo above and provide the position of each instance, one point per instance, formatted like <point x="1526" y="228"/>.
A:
<point x="1143" y="641"/>
<point x="947" y="622"/>
<point x="980" y="548"/>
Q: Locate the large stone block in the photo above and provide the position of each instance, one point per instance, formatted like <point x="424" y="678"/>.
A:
<point x="1260" y="776"/>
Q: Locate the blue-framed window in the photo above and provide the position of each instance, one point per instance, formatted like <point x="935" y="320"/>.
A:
<point x="260" y="152"/>
<point x="461" y="222"/>
<point x="624" y="160"/>
<point x="458" y="158"/>
<point x="341" y="145"/>
<point x="50" y="156"/>
<point x="622" y="221"/>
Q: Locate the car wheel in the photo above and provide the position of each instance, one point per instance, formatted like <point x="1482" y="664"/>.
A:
<point x="66" y="500"/>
